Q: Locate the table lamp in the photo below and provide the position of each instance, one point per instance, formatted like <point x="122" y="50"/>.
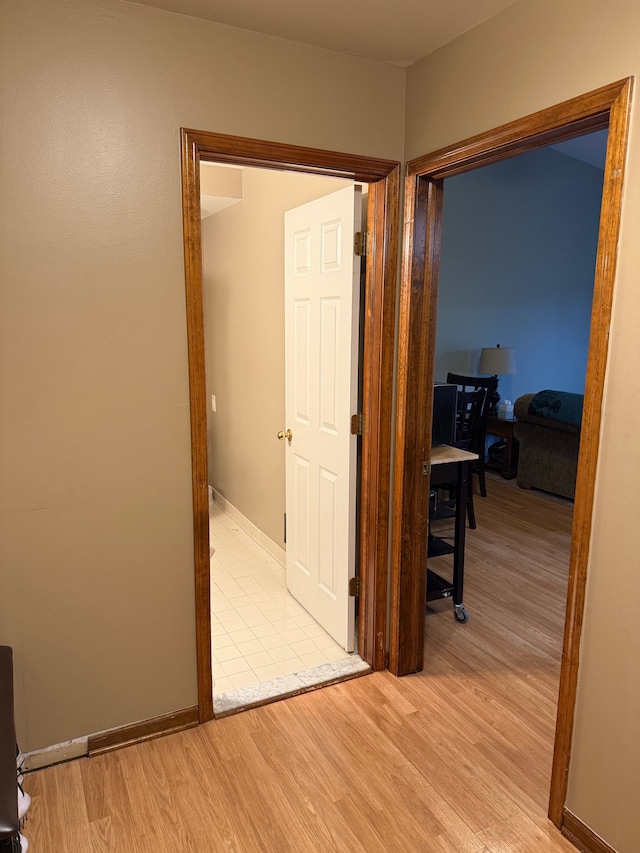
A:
<point x="497" y="361"/>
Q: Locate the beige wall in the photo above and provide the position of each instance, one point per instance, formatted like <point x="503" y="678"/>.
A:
<point x="96" y="574"/>
<point x="243" y="251"/>
<point x="535" y="54"/>
<point x="96" y="577"/>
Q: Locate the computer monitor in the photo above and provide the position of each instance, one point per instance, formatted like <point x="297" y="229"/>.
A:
<point x="444" y="413"/>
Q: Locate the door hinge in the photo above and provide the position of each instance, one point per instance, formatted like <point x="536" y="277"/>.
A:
<point x="357" y="424"/>
<point x="426" y="469"/>
<point x="354" y="587"/>
<point x="361" y="243"/>
<point x="284" y="527"/>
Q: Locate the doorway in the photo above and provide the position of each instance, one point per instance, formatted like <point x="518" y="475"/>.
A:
<point x="606" y="107"/>
<point x="270" y="563"/>
<point x="377" y="367"/>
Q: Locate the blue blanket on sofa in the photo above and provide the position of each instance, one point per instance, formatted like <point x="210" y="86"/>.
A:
<point x="558" y="405"/>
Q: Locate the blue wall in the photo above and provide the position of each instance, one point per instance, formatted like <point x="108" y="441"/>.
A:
<point x="518" y="258"/>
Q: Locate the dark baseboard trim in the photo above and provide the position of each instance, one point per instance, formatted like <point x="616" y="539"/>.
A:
<point x="581" y="836"/>
<point x="144" y="730"/>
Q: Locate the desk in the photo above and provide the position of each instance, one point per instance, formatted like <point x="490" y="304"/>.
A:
<point x="451" y="465"/>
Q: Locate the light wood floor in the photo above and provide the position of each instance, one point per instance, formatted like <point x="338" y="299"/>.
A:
<point x="455" y="760"/>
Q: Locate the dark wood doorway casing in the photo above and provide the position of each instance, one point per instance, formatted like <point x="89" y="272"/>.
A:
<point x="382" y="176"/>
<point x="605" y="107"/>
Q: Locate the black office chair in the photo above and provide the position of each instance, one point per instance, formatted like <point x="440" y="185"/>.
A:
<point x="474" y="383"/>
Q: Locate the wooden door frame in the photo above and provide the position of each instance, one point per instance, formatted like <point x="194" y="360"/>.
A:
<point x="605" y="107"/>
<point x="382" y="176"/>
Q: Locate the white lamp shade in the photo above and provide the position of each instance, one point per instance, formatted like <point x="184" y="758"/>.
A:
<point x="499" y="361"/>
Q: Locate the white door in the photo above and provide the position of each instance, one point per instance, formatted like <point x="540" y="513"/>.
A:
<point x="322" y="290"/>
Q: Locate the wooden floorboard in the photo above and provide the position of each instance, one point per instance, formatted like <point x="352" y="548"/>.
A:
<point x="456" y="759"/>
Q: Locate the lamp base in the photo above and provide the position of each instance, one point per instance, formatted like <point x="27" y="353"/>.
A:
<point x="493" y="403"/>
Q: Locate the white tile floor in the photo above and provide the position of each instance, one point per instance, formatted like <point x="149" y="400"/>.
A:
<point x="259" y="631"/>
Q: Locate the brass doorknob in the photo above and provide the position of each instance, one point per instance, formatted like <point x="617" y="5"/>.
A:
<point x="288" y="435"/>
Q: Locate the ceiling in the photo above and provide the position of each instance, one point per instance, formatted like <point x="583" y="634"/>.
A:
<point x="398" y="32"/>
<point x="590" y="148"/>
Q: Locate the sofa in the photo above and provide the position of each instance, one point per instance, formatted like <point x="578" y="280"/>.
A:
<point x="548" y="431"/>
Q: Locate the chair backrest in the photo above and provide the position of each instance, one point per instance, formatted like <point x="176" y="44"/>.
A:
<point x="490" y="384"/>
<point x="468" y="419"/>
<point x="472" y="383"/>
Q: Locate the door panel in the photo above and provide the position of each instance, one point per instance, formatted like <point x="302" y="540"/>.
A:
<point x="322" y="287"/>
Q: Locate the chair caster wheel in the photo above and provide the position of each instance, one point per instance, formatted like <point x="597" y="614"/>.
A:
<point x="459" y="613"/>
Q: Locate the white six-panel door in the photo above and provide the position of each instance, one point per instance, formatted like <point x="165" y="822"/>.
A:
<point x="322" y="289"/>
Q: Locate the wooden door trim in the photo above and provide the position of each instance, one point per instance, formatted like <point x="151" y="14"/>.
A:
<point x="605" y="107"/>
<point x="383" y="179"/>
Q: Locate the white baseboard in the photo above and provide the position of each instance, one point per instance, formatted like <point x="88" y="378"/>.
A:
<point x="250" y="528"/>
<point x="55" y="754"/>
